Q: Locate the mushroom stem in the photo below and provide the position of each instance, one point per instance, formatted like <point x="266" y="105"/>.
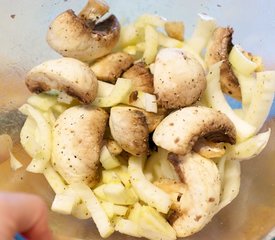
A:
<point x="94" y="10"/>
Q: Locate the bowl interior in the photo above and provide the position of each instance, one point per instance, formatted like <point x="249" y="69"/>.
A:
<point x="24" y="24"/>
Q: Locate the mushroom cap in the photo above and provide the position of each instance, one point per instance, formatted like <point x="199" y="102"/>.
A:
<point x="65" y="74"/>
<point x="218" y="50"/>
<point x="129" y="128"/>
<point x="179" y="79"/>
<point x="141" y="77"/>
<point x="180" y="130"/>
<point x="72" y="36"/>
<point x="198" y="203"/>
<point x="77" y="140"/>
<point x="111" y="67"/>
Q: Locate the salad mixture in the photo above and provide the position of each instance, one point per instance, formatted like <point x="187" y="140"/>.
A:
<point x="131" y="126"/>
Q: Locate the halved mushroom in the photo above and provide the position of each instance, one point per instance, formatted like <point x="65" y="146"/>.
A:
<point x="180" y="130"/>
<point x="179" y="79"/>
<point x="77" y="138"/>
<point x="141" y="77"/>
<point x="152" y="119"/>
<point x="198" y="193"/>
<point x="129" y="128"/>
<point x="110" y="67"/>
<point x="218" y="50"/>
<point x="82" y="37"/>
<point x="65" y="74"/>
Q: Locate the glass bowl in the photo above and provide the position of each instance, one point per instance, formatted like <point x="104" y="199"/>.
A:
<point x="23" y="27"/>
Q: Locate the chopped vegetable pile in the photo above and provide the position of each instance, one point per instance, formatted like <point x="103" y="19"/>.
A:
<point x="131" y="126"/>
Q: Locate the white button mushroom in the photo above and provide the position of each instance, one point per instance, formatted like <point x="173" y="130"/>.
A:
<point x="179" y="79"/>
<point x="199" y="193"/>
<point x="141" y="77"/>
<point x="129" y="128"/>
<point x="218" y="50"/>
<point x="77" y="140"/>
<point x="110" y="67"/>
<point x="82" y="37"/>
<point x="65" y="74"/>
<point x="180" y="130"/>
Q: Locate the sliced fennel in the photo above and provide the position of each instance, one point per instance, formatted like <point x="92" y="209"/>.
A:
<point x="150" y="19"/>
<point x="249" y="148"/>
<point x="97" y="212"/>
<point x="104" y="89"/>
<point x="157" y="166"/>
<point x="120" y="91"/>
<point x="151" y="44"/>
<point x="49" y="116"/>
<point x="15" y="164"/>
<point x="248" y="85"/>
<point x="132" y="50"/>
<point x="41" y="158"/>
<point x="65" y="202"/>
<point x="6" y="152"/>
<point x="240" y="112"/>
<point x="42" y="101"/>
<point x="27" y="137"/>
<point x="231" y="182"/>
<point x="127" y="227"/>
<point x="216" y="100"/>
<point x="123" y="175"/>
<point x="54" y="179"/>
<point x="262" y="100"/>
<point x="202" y="33"/>
<point x="188" y="48"/>
<point x="147" y="191"/>
<point x="153" y="225"/>
<point x="130" y="35"/>
<point x="107" y="160"/>
<point x="168" y="42"/>
<point x="108" y="208"/>
<point x="145" y="101"/>
<point x="80" y="211"/>
<point x="240" y="62"/>
<point x="110" y="176"/>
<point x="116" y="193"/>
<point x="63" y="97"/>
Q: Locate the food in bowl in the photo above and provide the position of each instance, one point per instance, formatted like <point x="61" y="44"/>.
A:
<point x="139" y="136"/>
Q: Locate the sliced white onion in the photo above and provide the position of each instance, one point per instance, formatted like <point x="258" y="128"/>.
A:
<point x="231" y="183"/>
<point x="120" y="91"/>
<point x="145" y="190"/>
<point x="151" y="44"/>
<point x="262" y="100"/>
<point x="240" y="62"/>
<point x="216" y="100"/>
<point x="249" y="148"/>
<point x="202" y="32"/>
<point x="41" y="158"/>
